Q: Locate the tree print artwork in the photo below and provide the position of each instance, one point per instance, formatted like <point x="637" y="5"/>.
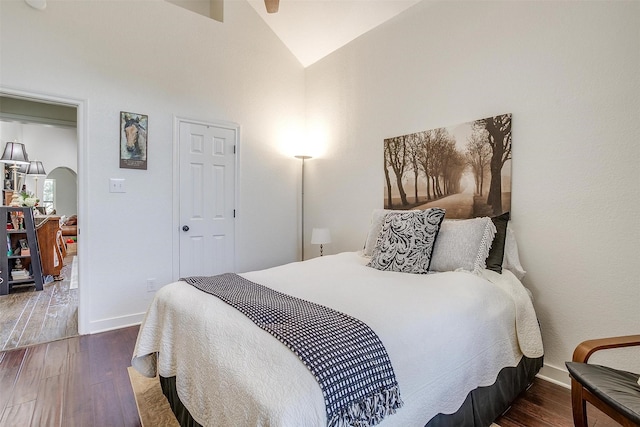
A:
<point x="465" y="169"/>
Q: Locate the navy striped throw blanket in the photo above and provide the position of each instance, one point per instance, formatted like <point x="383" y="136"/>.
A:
<point x="344" y="355"/>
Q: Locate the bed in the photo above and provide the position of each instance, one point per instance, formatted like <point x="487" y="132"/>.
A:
<point x="463" y="343"/>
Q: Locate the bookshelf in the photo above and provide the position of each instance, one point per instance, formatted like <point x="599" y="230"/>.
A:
<point x="20" y="260"/>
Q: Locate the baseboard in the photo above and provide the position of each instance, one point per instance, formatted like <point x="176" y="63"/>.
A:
<point x="104" y="325"/>
<point x="555" y="375"/>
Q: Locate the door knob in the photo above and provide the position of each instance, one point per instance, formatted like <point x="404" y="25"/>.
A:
<point x="185" y="228"/>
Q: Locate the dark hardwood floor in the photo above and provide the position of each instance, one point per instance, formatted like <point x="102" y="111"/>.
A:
<point x="78" y="381"/>
<point x="83" y="381"/>
<point x="545" y="404"/>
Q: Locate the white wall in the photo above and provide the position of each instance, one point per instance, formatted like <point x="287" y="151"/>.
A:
<point x="570" y="74"/>
<point x="154" y="58"/>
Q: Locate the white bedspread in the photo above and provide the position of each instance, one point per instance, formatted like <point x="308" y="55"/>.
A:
<point x="446" y="334"/>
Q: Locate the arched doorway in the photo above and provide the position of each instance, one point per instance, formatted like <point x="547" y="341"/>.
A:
<point x="60" y="191"/>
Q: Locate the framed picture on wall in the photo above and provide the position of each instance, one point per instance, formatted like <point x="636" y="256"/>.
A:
<point x="465" y="169"/>
<point x="133" y="140"/>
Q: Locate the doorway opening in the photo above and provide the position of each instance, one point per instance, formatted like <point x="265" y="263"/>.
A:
<point x="52" y="129"/>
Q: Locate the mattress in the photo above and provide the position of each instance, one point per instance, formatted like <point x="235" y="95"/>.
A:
<point x="446" y="335"/>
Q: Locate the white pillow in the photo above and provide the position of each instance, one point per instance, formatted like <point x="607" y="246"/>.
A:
<point x="463" y="245"/>
<point x="377" y="219"/>
<point x="511" y="259"/>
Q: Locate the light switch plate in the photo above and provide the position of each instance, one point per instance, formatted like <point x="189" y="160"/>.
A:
<point x="116" y="185"/>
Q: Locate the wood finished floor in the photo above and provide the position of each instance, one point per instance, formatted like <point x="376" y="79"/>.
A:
<point x="545" y="404"/>
<point x="83" y="381"/>
<point x="78" y="381"/>
<point x="29" y="317"/>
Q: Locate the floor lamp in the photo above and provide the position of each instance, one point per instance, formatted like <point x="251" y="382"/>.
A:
<point x="303" y="158"/>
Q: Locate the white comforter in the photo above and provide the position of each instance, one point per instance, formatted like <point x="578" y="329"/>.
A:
<point x="446" y="334"/>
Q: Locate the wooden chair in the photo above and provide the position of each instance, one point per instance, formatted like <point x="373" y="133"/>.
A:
<point x="614" y="392"/>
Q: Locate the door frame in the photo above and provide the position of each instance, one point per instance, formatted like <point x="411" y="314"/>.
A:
<point x="84" y="291"/>
<point x="177" y="120"/>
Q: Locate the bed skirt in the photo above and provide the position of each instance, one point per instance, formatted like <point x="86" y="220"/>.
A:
<point x="484" y="404"/>
<point x="481" y="407"/>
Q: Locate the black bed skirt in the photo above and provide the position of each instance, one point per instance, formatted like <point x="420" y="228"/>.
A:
<point x="484" y="404"/>
<point x="481" y="407"/>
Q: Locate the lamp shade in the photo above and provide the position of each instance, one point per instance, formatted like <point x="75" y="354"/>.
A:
<point x="320" y="236"/>
<point x="35" y="168"/>
<point x="14" y="152"/>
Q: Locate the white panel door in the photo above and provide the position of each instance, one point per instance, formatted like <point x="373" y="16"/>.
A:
<point x="207" y="199"/>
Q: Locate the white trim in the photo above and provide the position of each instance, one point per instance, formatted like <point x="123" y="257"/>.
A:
<point x="555" y="375"/>
<point x="112" y="323"/>
<point x="81" y="105"/>
<point x="176" y="186"/>
<point x="43" y="121"/>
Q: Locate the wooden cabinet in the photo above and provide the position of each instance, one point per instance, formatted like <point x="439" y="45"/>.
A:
<point x="52" y="250"/>
<point x="21" y="249"/>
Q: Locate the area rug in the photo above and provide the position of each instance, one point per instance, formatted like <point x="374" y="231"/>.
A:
<point x="153" y="407"/>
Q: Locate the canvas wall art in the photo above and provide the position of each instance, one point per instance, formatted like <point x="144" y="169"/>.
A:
<point x="133" y="140"/>
<point x="464" y="169"/>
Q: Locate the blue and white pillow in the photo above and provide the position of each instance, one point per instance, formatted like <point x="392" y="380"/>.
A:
<point x="406" y="240"/>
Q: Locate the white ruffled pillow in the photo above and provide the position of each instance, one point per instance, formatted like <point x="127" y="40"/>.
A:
<point x="463" y="245"/>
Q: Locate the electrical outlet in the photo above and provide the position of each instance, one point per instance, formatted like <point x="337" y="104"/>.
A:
<point x="151" y="285"/>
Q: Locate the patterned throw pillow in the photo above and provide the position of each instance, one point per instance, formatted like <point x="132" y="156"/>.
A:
<point x="377" y="219"/>
<point x="406" y="240"/>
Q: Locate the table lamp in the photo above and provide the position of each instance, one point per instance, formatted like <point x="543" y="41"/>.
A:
<point x="320" y="236"/>
<point x="15" y="153"/>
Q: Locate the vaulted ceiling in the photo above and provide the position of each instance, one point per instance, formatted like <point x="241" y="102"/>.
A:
<point x="312" y="29"/>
